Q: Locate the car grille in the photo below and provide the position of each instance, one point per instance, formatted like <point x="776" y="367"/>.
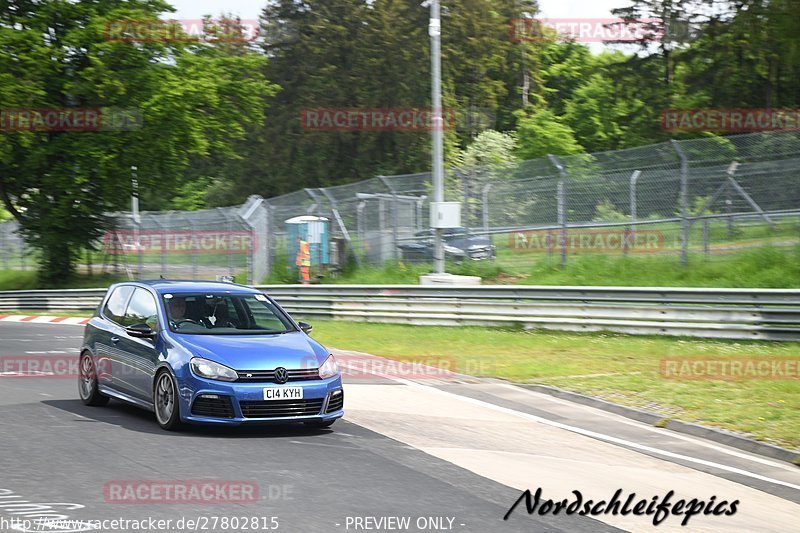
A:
<point x="213" y="406"/>
<point x="336" y="402"/>
<point x="305" y="374"/>
<point x="280" y="408"/>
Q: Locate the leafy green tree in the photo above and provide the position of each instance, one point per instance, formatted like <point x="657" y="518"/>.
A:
<point x="747" y="55"/>
<point x="186" y="99"/>
<point x="602" y="110"/>
<point x="375" y="55"/>
<point x="541" y="132"/>
<point x="489" y="149"/>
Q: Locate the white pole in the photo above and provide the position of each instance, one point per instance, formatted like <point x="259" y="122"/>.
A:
<point x="437" y="125"/>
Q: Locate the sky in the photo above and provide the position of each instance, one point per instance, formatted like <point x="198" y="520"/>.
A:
<point x="250" y="9"/>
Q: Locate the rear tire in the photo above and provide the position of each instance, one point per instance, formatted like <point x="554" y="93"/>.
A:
<point x="87" y="382"/>
<point x="165" y="401"/>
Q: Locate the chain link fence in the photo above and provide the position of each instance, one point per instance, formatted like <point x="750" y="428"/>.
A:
<point x="693" y="200"/>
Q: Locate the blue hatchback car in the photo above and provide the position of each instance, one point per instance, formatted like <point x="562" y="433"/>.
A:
<point x="207" y="352"/>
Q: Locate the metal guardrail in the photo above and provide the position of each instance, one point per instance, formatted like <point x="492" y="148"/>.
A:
<point x="765" y="314"/>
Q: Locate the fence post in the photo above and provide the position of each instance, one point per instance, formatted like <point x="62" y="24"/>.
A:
<point x="362" y="204"/>
<point x="140" y="252"/>
<point x="163" y="253"/>
<point x="486" y="189"/>
<point x="267" y="237"/>
<point x="632" y="227"/>
<point x="395" y="216"/>
<point x="465" y="216"/>
<point x="705" y="238"/>
<point x="193" y="241"/>
<point x="381" y="227"/>
<point x="229" y="230"/>
<point x="684" y="202"/>
<point x="5" y="248"/>
<point x="561" y="205"/>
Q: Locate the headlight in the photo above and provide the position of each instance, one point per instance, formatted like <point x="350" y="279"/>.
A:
<point x="211" y="370"/>
<point x="329" y="368"/>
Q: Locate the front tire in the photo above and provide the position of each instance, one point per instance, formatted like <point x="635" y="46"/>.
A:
<point x="87" y="382"/>
<point x="165" y="401"/>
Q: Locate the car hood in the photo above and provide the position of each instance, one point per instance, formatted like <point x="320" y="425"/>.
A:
<point x="256" y="352"/>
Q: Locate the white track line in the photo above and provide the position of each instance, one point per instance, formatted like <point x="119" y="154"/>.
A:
<point x="592" y="434"/>
<point x="647" y="427"/>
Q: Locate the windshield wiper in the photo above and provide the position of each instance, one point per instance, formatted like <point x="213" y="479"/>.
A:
<point x="262" y="331"/>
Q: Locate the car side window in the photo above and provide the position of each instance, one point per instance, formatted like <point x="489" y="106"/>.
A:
<point x="141" y="310"/>
<point x="115" y="306"/>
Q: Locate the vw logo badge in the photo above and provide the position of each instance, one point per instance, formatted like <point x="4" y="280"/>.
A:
<point x="281" y="375"/>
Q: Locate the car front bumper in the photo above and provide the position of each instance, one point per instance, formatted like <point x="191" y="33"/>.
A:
<point x="247" y="404"/>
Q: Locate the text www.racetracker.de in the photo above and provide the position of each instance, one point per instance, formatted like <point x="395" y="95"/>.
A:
<point x="199" y="523"/>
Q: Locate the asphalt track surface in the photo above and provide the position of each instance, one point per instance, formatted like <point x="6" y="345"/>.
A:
<point x="446" y="454"/>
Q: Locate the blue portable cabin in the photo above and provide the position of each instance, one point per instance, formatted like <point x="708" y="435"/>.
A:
<point x="315" y="231"/>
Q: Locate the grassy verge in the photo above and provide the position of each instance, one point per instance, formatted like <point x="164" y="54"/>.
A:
<point x="11" y="280"/>
<point x="766" y="267"/>
<point x="45" y="312"/>
<point x="622" y="369"/>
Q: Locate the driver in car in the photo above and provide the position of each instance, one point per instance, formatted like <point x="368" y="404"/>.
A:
<point x="177" y="309"/>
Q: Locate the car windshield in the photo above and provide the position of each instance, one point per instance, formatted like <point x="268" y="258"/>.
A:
<point x="224" y="314"/>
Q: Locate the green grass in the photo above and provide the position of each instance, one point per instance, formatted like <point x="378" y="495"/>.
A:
<point x="27" y="279"/>
<point x="17" y="280"/>
<point x="763" y="267"/>
<point x="50" y="312"/>
<point x="619" y="368"/>
<point x="766" y="267"/>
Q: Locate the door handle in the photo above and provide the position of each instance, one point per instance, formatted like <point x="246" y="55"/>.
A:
<point x="115" y="339"/>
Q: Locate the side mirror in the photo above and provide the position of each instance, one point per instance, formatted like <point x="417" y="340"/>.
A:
<point x="142" y="331"/>
<point x="305" y="327"/>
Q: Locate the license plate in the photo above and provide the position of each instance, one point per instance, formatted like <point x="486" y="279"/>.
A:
<point x="283" y="393"/>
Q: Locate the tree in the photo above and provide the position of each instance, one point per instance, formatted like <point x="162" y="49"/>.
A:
<point x="375" y="55"/>
<point x="747" y="55"/>
<point x="541" y="132"/>
<point x="490" y="148"/>
<point x="602" y="110"/>
<point x="182" y="100"/>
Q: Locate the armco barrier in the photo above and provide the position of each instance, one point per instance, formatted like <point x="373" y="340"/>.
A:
<point x="765" y="314"/>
